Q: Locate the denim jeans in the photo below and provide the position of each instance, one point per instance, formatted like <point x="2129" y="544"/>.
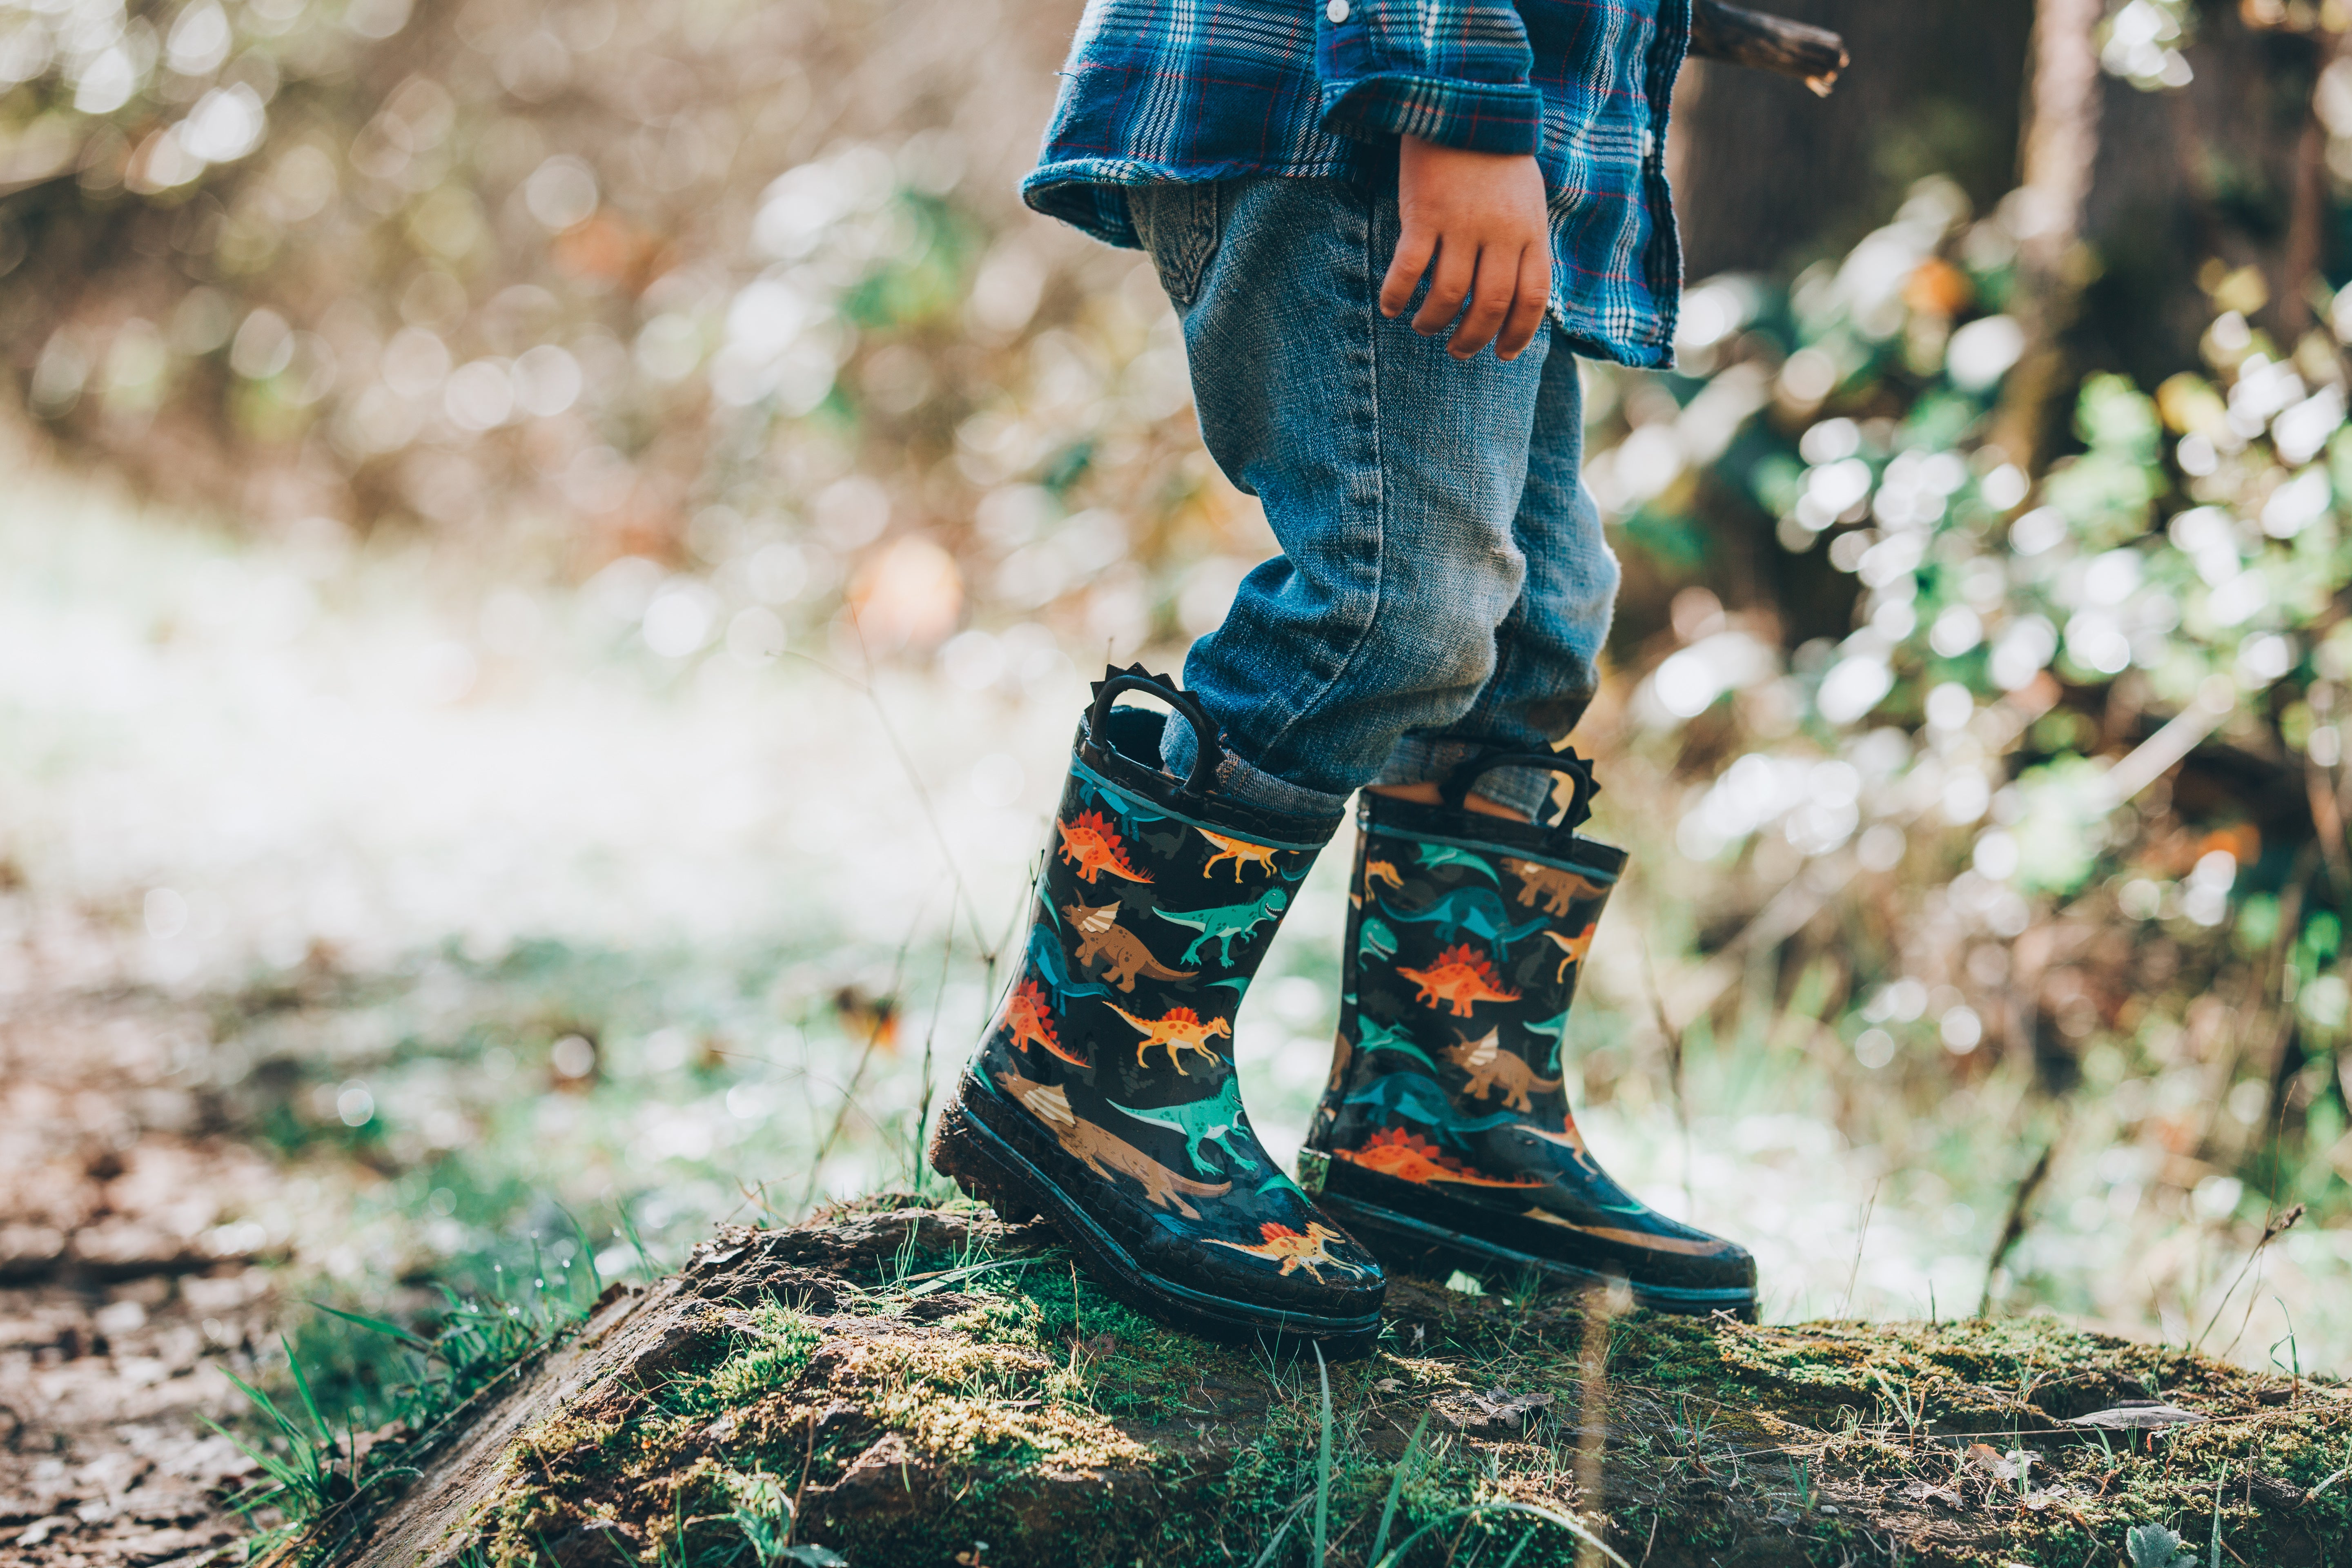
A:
<point x="1443" y="585"/>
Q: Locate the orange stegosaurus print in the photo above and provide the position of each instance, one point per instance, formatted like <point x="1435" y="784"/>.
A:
<point x="1029" y="1013"/>
<point x="1461" y="978"/>
<point x="1092" y="844"/>
<point x="1393" y="1151"/>
<point x="1309" y="1250"/>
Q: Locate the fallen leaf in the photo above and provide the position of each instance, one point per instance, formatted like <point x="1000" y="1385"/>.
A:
<point x="2137" y="1415"/>
<point x="1497" y="1410"/>
<point x="1987" y="1458"/>
<point x="1924" y="1491"/>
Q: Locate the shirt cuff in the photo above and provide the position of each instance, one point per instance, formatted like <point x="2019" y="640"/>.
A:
<point x="1475" y="116"/>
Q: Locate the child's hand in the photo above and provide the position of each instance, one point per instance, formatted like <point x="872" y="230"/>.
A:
<point x="1480" y="215"/>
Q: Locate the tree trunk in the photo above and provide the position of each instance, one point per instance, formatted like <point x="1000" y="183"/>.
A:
<point x="1766" y="173"/>
<point x="2062" y="147"/>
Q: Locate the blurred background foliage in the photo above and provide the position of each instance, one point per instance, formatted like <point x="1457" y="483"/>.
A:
<point x="1980" y="677"/>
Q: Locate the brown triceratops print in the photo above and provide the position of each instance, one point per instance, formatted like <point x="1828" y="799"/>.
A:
<point x="1102" y="937"/>
<point x="1558" y="889"/>
<point x="1103" y="1152"/>
<point x="1491" y="1067"/>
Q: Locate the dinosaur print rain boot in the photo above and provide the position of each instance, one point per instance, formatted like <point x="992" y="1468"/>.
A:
<point x="1444" y="1141"/>
<point x="1104" y="1097"/>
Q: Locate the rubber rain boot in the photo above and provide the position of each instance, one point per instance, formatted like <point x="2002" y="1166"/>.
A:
<point x="1104" y="1097"/>
<point x="1444" y="1141"/>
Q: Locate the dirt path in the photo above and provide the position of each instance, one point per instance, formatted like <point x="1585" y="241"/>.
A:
<point x="124" y="1275"/>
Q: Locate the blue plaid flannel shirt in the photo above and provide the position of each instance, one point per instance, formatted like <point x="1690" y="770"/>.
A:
<point x="1208" y="89"/>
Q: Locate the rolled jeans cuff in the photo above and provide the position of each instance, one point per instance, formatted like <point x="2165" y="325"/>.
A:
<point x="1417" y="760"/>
<point x="1243" y="782"/>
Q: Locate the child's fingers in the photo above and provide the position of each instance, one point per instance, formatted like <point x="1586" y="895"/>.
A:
<point x="1415" y="247"/>
<point x="1490" y="305"/>
<point x="1533" y="299"/>
<point x="1449" y="286"/>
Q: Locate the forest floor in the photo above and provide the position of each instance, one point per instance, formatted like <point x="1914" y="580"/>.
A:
<point x="323" y="983"/>
<point x="908" y="1386"/>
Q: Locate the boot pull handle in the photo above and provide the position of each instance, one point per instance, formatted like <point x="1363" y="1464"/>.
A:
<point x="1135" y="678"/>
<point x="1455" y="788"/>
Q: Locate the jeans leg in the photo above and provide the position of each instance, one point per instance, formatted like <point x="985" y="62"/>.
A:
<point x="1391" y="473"/>
<point x="1548" y="649"/>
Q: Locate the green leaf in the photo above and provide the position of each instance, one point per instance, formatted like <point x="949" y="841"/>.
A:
<point x="2153" y="1546"/>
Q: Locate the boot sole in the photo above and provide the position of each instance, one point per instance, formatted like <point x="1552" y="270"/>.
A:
<point x="1412" y="1245"/>
<point x="991" y="1169"/>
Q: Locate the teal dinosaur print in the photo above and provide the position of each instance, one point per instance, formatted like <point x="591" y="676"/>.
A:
<point x="1226" y="926"/>
<point x="1217" y="1121"/>
<point x="1434" y="855"/>
<point x="1549" y="1031"/>
<point x="1376" y="940"/>
<point x="1133" y="812"/>
<point x="1409" y="1094"/>
<point x="1476" y="912"/>
<point x="1379" y="1036"/>
<point x="1046" y="956"/>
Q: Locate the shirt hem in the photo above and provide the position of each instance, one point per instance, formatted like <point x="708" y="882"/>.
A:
<point x="1073" y="191"/>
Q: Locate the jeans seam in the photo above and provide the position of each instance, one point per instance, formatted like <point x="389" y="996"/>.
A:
<point x="1362" y="630"/>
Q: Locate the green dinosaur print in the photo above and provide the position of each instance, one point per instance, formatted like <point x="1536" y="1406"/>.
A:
<point x="1549" y="1031"/>
<point x="1411" y="1095"/>
<point x="1226" y="926"/>
<point x="1217" y="1121"/>
<point x="1376" y="940"/>
<point x="1475" y="911"/>
<point x="1379" y="1036"/>
<point x="1053" y="966"/>
<point x="1434" y="855"/>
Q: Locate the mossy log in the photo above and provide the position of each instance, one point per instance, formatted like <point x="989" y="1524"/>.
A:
<point x="892" y="1386"/>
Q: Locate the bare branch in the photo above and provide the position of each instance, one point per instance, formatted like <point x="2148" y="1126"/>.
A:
<point x="1720" y="32"/>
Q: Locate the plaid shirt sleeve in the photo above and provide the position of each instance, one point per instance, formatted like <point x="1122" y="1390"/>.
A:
<point x="1450" y="72"/>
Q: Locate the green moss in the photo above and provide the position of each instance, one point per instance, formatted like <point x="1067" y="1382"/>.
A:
<point x="1023" y="1410"/>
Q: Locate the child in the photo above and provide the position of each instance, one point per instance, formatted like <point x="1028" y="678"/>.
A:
<point x="1388" y="228"/>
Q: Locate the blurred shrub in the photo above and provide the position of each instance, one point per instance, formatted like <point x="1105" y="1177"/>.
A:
<point x="1954" y="700"/>
<point x="736" y="291"/>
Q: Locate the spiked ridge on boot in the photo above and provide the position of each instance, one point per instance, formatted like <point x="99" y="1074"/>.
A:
<point x="1445" y="1139"/>
<point x="1104" y="1096"/>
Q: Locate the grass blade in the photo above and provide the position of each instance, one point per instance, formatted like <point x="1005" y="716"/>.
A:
<point x="1282" y="1531"/>
<point x="1396" y="1485"/>
<point x="1323" y="1465"/>
<point x="378" y="1326"/>
<point x="1572" y="1526"/>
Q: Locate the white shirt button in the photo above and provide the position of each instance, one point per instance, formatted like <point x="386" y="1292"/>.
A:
<point x="1337" y="11"/>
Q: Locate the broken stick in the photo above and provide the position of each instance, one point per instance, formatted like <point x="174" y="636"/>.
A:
<point x="1720" y="32"/>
